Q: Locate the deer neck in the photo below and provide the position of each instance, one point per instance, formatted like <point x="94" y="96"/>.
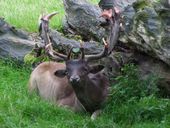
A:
<point x="86" y="92"/>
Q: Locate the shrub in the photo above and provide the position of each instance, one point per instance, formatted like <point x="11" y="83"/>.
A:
<point x="130" y="87"/>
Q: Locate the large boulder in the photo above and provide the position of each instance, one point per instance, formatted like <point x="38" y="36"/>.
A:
<point x="147" y="28"/>
<point x="14" y="44"/>
<point x="146" y="24"/>
<point x="83" y="18"/>
<point x="63" y="44"/>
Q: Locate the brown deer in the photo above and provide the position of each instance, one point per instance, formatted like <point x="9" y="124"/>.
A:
<point x="75" y="83"/>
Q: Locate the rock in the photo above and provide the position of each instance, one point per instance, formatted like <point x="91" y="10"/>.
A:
<point x="146" y="24"/>
<point x="149" y="65"/>
<point x="83" y="19"/>
<point x="147" y="28"/>
<point x="14" y="48"/>
<point x="14" y="44"/>
<point x="5" y="28"/>
<point x="62" y="43"/>
<point x="147" y="31"/>
<point x="165" y="3"/>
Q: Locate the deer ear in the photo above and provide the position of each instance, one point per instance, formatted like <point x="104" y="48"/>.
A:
<point x="60" y="73"/>
<point x="96" y="68"/>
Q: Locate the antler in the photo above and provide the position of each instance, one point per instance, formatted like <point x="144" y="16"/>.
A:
<point x="44" y="27"/>
<point x="55" y="55"/>
<point x="44" y="33"/>
<point x="114" y="32"/>
<point x="100" y="55"/>
<point x="49" y="16"/>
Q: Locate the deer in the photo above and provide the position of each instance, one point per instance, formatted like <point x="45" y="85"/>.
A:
<point x="75" y="83"/>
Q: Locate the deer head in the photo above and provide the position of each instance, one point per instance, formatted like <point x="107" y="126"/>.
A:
<point x="77" y="69"/>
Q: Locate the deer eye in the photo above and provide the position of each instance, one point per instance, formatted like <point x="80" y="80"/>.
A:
<point x="86" y="70"/>
<point x="66" y="72"/>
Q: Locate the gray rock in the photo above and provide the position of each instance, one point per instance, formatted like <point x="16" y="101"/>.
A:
<point x="5" y="28"/>
<point x="147" y="28"/>
<point x="14" y="44"/>
<point x="62" y="43"/>
<point x="83" y="19"/>
<point x="14" y="48"/>
<point x="146" y="24"/>
<point x="149" y="65"/>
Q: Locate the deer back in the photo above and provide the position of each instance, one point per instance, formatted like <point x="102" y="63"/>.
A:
<point x="51" y="87"/>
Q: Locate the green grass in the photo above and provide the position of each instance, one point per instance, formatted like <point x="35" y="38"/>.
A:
<point x="24" y="13"/>
<point x="20" y="110"/>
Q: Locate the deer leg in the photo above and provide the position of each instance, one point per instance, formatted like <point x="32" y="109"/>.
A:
<point x="96" y="114"/>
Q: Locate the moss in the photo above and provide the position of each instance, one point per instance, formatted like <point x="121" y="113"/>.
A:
<point x="141" y="4"/>
<point x="31" y="59"/>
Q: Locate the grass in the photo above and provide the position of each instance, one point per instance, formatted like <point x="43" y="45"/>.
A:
<point x="19" y="110"/>
<point x="24" y="13"/>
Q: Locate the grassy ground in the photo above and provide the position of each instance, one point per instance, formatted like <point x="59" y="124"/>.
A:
<point x="24" y="13"/>
<point x="19" y="110"/>
<point x="129" y="106"/>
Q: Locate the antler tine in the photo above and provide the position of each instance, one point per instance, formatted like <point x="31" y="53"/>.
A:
<point x="49" y="16"/>
<point x="54" y="54"/>
<point x="114" y="32"/>
<point x="100" y="55"/>
<point x="82" y="49"/>
<point x="43" y="21"/>
<point x="44" y="33"/>
<point x="69" y="54"/>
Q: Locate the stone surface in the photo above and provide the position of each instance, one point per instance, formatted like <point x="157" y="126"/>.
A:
<point x="146" y="24"/>
<point x="147" y="28"/>
<point x="14" y="44"/>
<point x="83" y="19"/>
<point x="62" y="43"/>
<point x="148" y="65"/>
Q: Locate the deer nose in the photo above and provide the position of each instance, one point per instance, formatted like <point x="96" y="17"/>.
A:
<point x="74" y="78"/>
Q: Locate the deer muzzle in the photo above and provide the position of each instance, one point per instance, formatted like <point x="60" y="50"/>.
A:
<point x="74" y="79"/>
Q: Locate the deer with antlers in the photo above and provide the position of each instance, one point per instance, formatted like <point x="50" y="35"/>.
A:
<point x="75" y="83"/>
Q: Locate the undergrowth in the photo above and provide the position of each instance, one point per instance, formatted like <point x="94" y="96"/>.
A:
<point x="133" y="100"/>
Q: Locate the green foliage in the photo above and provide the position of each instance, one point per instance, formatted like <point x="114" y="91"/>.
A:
<point x="31" y="59"/>
<point x="140" y="4"/>
<point x="135" y="100"/>
<point x="131" y="87"/>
